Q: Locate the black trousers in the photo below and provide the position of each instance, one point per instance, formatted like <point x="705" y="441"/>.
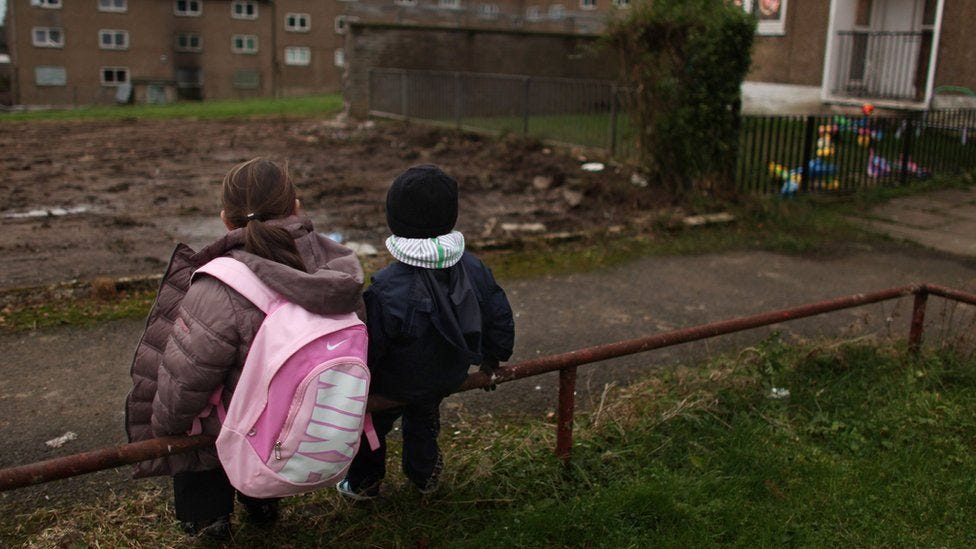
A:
<point x="201" y="496"/>
<point x="421" y="424"/>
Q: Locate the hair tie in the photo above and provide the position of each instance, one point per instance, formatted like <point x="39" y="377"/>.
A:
<point x="252" y="216"/>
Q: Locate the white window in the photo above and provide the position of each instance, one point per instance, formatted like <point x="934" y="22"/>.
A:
<point x="488" y="11"/>
<point x="247" y="79"/>
<point x="188" y="42"/>
<point x="340" y="58"/>
<point x="244" y="9"/>
<point x="188" y="8"/>
<point x="771" y="15"/>
<point x="114" y="76"/>
<point x="298" y="22"/>
<point x="405" y="2"/>
<point x="50" y="4"/>
<point x="112" y="5"/>
<point x="587" y="4"/>
<point x="298" y="55"/>
<point x="50" y="76"/>
<point x="244" y="43"/>
<point x="48" y="37"/>
<point x="621" y="3"/>
<point x="109" y="39"/>
<point x="557" y="11"/>
<point x="342" y="23"/>
<point x="450" y="4"/>
<point x="533" y="13"/>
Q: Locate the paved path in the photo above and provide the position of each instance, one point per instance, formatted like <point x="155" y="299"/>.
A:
<point x="70" y="379"/>
<point x="941" y="220"/>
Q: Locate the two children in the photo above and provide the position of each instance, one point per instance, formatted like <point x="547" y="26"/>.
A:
<point x="430" y="315"/>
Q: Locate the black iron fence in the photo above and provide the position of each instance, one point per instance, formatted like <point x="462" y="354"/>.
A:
<point x="785" y="154"/>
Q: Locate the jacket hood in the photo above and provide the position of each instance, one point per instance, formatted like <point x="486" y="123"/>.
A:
<point x="333" y="279"/>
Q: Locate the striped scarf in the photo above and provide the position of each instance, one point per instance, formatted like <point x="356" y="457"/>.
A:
<point x="430" y="253"/>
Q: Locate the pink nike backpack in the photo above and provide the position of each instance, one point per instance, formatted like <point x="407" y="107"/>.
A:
<point x="299" y="409"/>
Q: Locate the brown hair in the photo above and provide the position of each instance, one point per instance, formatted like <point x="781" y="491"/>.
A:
<point x="257" y="191"/>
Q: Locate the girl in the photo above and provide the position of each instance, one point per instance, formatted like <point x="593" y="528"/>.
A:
<point x="197" y="336"/>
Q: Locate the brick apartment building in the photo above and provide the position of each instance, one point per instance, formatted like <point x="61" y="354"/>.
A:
<point x="77" y="52"/>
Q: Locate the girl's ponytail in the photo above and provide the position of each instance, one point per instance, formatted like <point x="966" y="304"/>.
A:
<point x="255" y="192"/>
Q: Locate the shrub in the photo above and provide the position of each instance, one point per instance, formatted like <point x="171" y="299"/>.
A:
<point x="684" y="62"/>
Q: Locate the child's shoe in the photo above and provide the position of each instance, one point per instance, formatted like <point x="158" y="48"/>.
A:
<point x="217" y="529"/>
<point x="262" y="514"/>
<point x="434" y="481"/>
<point x="358" y="494"/>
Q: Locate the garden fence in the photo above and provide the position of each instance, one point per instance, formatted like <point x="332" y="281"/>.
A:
<point x="784" y="154"/>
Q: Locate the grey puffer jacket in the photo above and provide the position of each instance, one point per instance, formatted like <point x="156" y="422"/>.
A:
<point x="197" y="336"/>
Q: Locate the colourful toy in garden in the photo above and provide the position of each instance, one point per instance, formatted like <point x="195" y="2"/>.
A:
<point x="867" y="109"/>
<point x="790" y="178"/>
<point x="878" y="166"/>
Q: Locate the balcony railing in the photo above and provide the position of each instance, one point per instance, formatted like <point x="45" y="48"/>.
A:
<point x="882" y="65"/>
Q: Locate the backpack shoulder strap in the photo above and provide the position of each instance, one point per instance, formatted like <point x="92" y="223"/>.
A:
<point x="236" y="275"/>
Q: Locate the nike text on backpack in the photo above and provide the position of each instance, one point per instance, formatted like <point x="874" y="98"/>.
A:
<point x="299" y="409"/>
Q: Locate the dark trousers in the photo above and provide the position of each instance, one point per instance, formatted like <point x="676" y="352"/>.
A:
<point x="421" y="424"/>
<point x="201" y="496"/>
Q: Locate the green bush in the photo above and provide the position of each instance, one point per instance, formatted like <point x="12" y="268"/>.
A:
<point x="684" y="62"/>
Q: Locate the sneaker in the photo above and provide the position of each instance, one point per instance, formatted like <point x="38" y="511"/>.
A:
<point x="363" y="494"/>
<point x="264" y="513"/>
<point x="217" y="529"/>
<point x="434" y="480"/>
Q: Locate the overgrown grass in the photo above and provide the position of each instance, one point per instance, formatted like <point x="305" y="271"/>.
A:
<point x="317" y="105"/>
<point x="76" y="311"/>
<point x="870" y="448"/>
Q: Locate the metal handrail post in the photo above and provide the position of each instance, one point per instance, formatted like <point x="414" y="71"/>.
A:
<point x="564" y="422"/>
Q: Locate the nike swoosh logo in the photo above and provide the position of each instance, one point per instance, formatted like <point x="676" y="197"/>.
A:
<point x="332" y="347"/>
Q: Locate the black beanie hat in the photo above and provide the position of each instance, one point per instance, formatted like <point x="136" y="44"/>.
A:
<point x="422" y="203"/>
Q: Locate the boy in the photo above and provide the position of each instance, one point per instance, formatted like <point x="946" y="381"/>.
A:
<point x="431" y="314"/>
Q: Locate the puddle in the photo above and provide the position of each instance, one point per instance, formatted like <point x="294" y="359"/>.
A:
<point x="47" y="212"/>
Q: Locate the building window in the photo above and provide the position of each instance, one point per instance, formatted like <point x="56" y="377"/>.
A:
<point x="244" y="43"/>
<point x="247" y="79"/>
<point x="187" y="78"/>
<point x="587" y="4"/>
<point x="112" y="5"/>
<point x="188" y="42"/>
<point x="49" y="4"/>
<point x="48" y="37"/>
<point x="488" y="11"/>
<point x="244" y="9"/>
<point x="770" y="13"/>
<point x="113" y="39"/>
<point x="298" y="22"/>
<point x="50" y="76"/>
<point x="114" y="76"/>
<point x="296" y="55"/>
<point x="339" y="58"/>
<point x="621" y="3"/>
<point x="188" y="8"/>
<point x="342" y="23"/>
<point x="450" y="4"/>
<point x="557" y="11"/>
<point x="533" y="13"/>
<point x="405" y="2"/>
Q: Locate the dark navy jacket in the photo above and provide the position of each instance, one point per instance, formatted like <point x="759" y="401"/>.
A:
<point x="428" y="326"/>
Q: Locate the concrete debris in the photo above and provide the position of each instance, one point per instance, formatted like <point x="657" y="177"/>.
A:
<point x="362" y="248"/>
<point x="708" y="219"/>
<point x="593" y="167"/>
<point x="523" y="227"/>
<point x="638" y="180"/>
<point x="59" y="442"/>
<point x="573" y="198"/>
<point x="541" y="182"/>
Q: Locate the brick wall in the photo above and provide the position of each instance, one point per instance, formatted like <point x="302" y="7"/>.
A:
<point x="372" y="45"/>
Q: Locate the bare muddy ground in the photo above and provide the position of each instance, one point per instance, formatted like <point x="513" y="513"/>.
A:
<point x="83" y="199"/>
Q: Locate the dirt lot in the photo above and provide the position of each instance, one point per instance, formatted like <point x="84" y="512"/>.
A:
<point x="84" y="199"/>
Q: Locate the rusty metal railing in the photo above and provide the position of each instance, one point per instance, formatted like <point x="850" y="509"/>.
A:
<point x="565" y="363"/>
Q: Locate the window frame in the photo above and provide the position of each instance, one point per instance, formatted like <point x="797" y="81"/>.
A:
<point x="489" y="10"/>
<point x="620" y="4"/>
<point x="114" y="33"/>
<point x="556" y="12"/>
<point x="113" y="8"/>
<point x="405" y="3"/>
<point x="301" y="62"/>
<point x="449" y="4"/>
<point x="115" y="83"/>
<point x="47" y="4"/>
<point x="344" y="27"/>
<point x="298" y="15"/>
<point x="244" y="3"/>
<point x="188" y="12"/>
<point x="339" y="57"/>
<point x="64" y="71"/>
<point x="187" y="48"/>
<point x="244" y="50"/>
<point x="47" y="32"/>
<point x="585" y="6"/>
<point x="767" y="27"/>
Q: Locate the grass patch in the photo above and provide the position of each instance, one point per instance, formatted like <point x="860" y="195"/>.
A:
<point x="315" y="105"/>
<point x="76" y="311"/>
<point x="872" y="447"/>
